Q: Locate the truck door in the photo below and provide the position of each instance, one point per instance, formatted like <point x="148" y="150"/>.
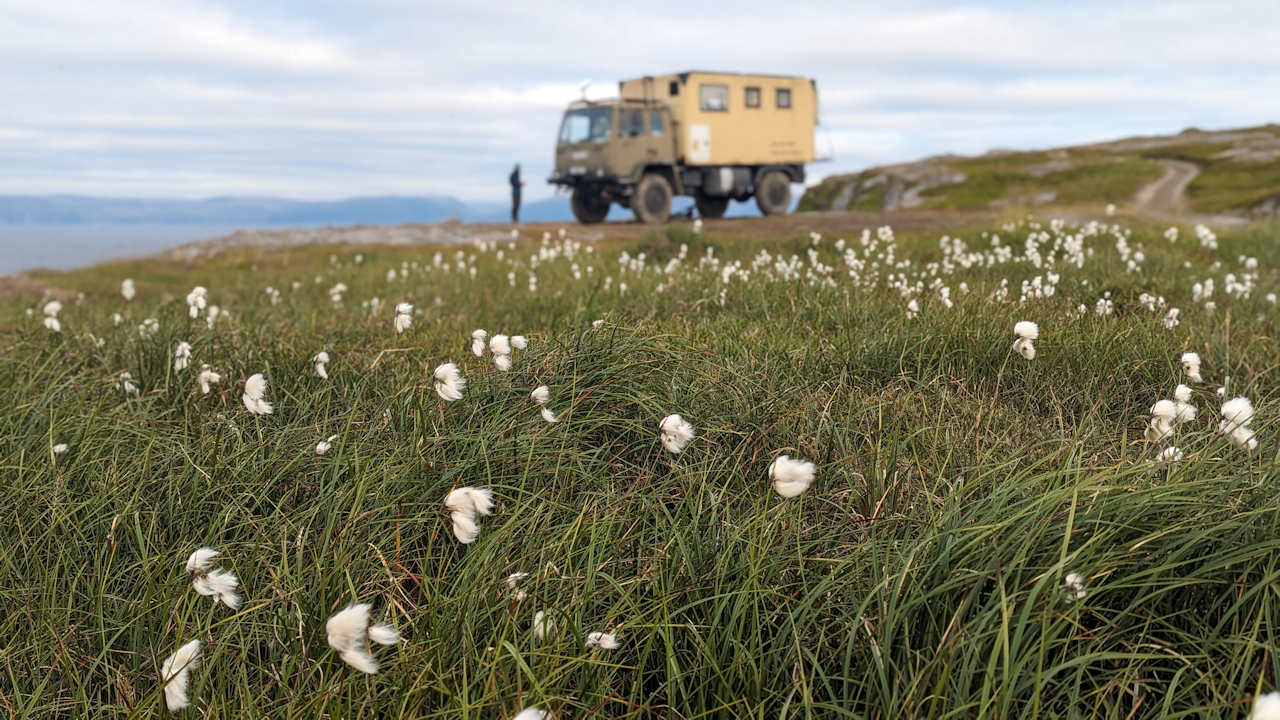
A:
<point x="633" y="141"/>
<point x="662" y="136"/>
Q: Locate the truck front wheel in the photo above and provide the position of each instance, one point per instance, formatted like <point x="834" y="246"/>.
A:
<point x="773" y="193"/>
<point x="710" y="207"/>
<point x="589" y="205"/>
<point x="652" y="199"/>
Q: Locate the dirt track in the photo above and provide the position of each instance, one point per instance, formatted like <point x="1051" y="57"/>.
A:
<point x="1165" y="196"/>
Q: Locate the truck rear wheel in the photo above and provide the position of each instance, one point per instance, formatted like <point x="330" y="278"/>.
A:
<point x="710" y="207"/>
<point x="773" y="193"/>
<point x="588" y="205"/>
<point x="652" y="199"/>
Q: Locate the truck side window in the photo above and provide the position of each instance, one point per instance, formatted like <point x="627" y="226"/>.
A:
<point x="655" y="122"/>
<point x="632" y="125"/>
<point x="752" y="99"/>
<point x="713" y="97"/>
<point x="784" y="98"/>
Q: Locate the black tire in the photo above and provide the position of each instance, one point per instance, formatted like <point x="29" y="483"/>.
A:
<point x="710" y="207"/>
<point x="651" y="201"/>
<point x="588" y="205"/>
<point x="773" y="193"/>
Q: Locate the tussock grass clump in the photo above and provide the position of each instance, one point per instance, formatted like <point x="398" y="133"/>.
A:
<point x="984" y="534"/>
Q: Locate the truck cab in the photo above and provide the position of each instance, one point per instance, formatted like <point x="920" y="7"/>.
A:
<point x="605" y="149"/>
<point x="655" y="141"/>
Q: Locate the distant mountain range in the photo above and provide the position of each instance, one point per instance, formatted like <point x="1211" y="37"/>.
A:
<point x="248" y="211"/>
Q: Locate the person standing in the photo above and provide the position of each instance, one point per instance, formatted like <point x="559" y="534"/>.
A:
<point x="516" y="184"/>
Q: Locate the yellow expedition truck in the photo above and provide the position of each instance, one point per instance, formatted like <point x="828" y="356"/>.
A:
<point x="710" y="135"/>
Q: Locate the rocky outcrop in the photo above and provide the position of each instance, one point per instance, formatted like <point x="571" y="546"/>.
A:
<point x="1005" y="178"/>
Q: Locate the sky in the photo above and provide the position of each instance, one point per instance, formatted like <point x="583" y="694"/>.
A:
<point x="317" y="99"/>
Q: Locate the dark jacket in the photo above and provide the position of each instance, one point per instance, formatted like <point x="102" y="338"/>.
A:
<point x="515" y="182"/>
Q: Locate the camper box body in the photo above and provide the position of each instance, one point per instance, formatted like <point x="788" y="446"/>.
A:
<point x="735" y="119"/>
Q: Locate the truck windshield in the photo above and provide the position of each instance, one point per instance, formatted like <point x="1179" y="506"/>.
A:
<point x="586" y="125"/>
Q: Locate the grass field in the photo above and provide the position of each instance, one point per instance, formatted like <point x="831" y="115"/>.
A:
<point x="957" y="486"/>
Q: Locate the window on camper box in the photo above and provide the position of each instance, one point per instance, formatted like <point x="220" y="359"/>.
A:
<point x="784" y="98"/>
<point x="713" y="97"/>
<point x="752" y="99"/>
<point x="673" y="89"/>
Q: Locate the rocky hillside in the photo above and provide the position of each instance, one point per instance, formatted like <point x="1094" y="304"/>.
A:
<point x="1222" y="171"/>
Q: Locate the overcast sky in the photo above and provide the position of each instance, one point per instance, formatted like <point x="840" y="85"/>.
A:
<point x="324" y="99"/>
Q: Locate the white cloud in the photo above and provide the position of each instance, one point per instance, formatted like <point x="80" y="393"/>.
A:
<point x="76" y="32"/>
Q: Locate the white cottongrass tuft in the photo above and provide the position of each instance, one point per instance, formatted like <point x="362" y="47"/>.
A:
<point x="350" y="633"/>
<point x="1182" y="393"/>
<point x="125" y="382"/>
<point x="676" y="433"/>
<point x="323" y="446"/>
<point x="1164" y="416"/>
<point x="255" y="393"/>
<point x="51" y="310"/>
<point x="1237" y="413"/>
<point x="404" y="317"/>
<point x="465" y="504"/>
<point x="511" y="581"/>
<point x="320" y="360"/>
<point x="1170" y="456"/>
<point x="214" y="313"/>
<point x="127" y="289"/>
<point x="1245" y="438"/>
<point x="1191" y="366"/>
<point x="602" y="640"/>
<point x="790" y="476"/>
<point x="214" y="583"/>
<point x="116" y="319"/>
<point x="1186" y="412"/>
<point x="181" y="356"/>
<point x="533" y="713"/>
<point x="519" y="342"/>
<point x="543" y="625"/>
<point x="1025" y="348"/>
<point x="541" y="395"/>
<point x="207" y="378"/>
<point x="477" y="341"/>
<point x="1266" y="707"/>
<point x="500" y="345"/>
<point x="1073" y="586"/>
<point x="449" y="382"/>
<point x="60" y="448"/>
<point x="1024" y="332"/>
<point x="595" y="324"/>
<point x="197" y="300"/>
<point x="175" y="674"/>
